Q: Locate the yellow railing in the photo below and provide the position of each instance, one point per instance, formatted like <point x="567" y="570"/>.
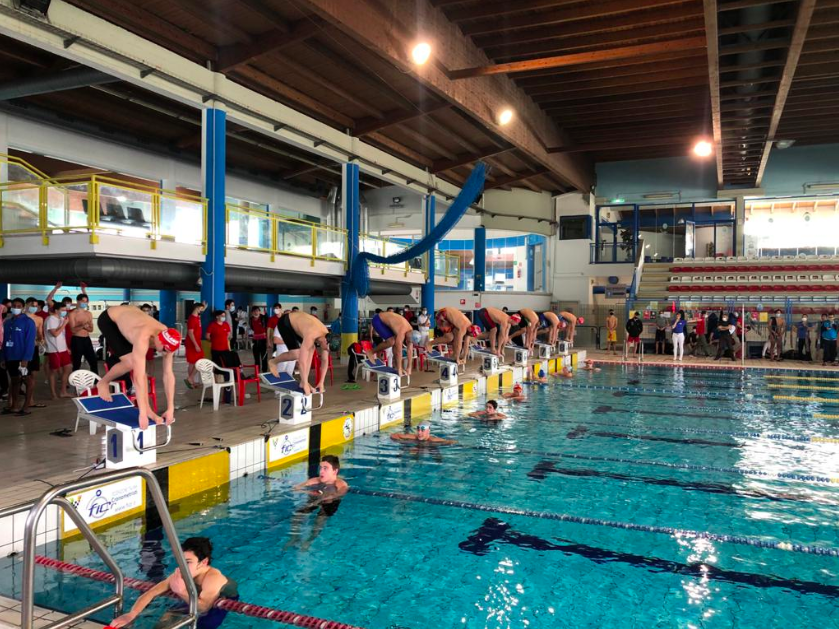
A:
<point x="18" y="169"/>
<point x="258" y="230"/>
<point x="100" y="204"/>
<point x="446" y="265"/>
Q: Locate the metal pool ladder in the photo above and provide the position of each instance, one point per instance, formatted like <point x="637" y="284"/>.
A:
<point x="57" y="496"/>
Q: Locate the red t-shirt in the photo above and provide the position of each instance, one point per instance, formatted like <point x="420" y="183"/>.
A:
<point x="258" y="328"/>
<point x="194" y="323"/>
<point x="219" y="333"/>
<point x="272" y="322"/>
<point x="700" y="326"/>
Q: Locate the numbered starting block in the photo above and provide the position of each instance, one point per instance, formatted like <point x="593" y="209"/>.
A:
<point x="489" y="361"/>
<point x="563" y="347"/>
<point x="520" y="355"/>
<point x="126" y="445"/>
<point x="448" y="368"/>
<point x="295" y="406"/>
<point x="543" y="350"/>
<point x="390" y="383"/>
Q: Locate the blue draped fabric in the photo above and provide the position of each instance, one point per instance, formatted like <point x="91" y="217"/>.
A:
<point x="359" y="273"/>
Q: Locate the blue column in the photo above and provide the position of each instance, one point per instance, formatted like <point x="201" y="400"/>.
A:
<point x="4" y="291"/>
<point x="213" y="152"/>
<point x="480" y="261"/>
<point x="428" y="288"/>
<point x="169" y="307"/>
<point x="352" y="216"/>
<point x="531" y="261"/>
<point x="126" y="294"/>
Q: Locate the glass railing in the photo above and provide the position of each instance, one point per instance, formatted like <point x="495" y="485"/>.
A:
<point x="446" y="265"/>
<point x="258" y="230"/>
<point x="98" y="204"/>
<point x="387" y="247"/>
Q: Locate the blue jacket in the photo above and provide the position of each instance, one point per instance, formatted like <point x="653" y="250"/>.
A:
<point x="18" y="338"/>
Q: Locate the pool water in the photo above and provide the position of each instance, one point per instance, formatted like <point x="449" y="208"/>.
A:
<point x="668" y="456"/>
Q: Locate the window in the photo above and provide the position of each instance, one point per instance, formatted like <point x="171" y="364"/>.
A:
<point x="574" y="227"/>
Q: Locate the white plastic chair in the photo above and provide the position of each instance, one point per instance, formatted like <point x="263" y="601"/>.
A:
<point x="207" y="369"/>
<point x="84" y="382"/>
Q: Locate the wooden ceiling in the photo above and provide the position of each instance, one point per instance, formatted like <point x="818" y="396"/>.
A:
<point x="619" y="79"/>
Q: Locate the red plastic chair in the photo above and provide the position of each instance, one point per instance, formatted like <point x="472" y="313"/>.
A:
<point x="329" y="370"/>
<point x="152" y="386"/>
<point x="244" y="380"/>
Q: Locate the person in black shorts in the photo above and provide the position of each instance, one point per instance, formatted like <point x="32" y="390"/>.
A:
<point x="302" y="333"/>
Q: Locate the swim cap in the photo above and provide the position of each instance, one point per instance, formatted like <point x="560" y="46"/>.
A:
<point x="580" y="320"/>
<point x="170" y="339"/>
<point x="541" y="373"/>
<point x="515" y="318"/>
<point x="517" y="386"/>
<point x="474" y="330"/>
<point x="416" y="337"/>
<point x="423" y="427"/>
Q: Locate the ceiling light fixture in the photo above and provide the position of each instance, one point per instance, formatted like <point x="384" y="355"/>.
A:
<point x="505" y="116"/>
<point x="421" y="53"/>
<point x="702" y="148"/>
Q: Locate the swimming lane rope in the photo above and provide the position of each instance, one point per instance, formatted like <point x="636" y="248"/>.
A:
<point x="239" y="607"/>
<point x="681" y="394"/>
<point x="629" y="526"/>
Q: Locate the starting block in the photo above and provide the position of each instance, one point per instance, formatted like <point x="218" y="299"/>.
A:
<point x="489" y="361"/>
<point x="390" y="383"/>
<point x="563" y="347"/>
<point x="295" y="406"/>
<point x="448" y="368"/>
<point x="520" y="356"/>
<point x="121" y="420"/>
<point x="543" y="350"/>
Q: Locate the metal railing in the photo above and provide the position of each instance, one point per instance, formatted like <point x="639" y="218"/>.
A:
<point x="57" y="496"/>
<point x="611" y="253"/>
<point x="97" y="204"/>
<point x="446" y="265"/>
<point x="258" y="230"/>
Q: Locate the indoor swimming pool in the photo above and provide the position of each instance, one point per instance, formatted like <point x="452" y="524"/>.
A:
<point x="575" y="511"/>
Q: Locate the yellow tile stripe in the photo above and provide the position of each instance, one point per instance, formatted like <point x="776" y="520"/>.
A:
<point x="337" y="431"/>
<point x="796" y="398"/>
<point x="492" y="384"/>
<point x="824" y="416"/>
<point x="421" y="405"/>
<point x="469" y="390"/>
<point x="817" y="379"/>
<point x="824" y="440"/>
<point x="507" y="379"/>
<point x="802" y="387"/>
<point x="196" y="475"/>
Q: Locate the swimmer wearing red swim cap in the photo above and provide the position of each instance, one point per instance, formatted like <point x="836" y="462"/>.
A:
<point x="129" y="334"/>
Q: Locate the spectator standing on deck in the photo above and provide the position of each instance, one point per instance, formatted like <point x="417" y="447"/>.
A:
<point x="725" y="330"/>
<point x="424" y="326"/>
<point x="634" y="329"/>
<point x="276" y="313"/>
<point x="230" y="318"/>
<point x="781" y="333"/>
<point x="260" y="347"/>
<point x="702" y="336"/>
<point x="803" y="334"/>
<point x="218" y="333"/>
<point x="774" y="338"/>
<point x="19" y="334"/>
<point x="678" y="335"/>
<point x="80" y="321"/>
<point x="194" y="349"/>
<point x="660" y="334"/>
<point x="57" y="355"/>
<point x="828" y="336"/>
<point x="611" y="332"/>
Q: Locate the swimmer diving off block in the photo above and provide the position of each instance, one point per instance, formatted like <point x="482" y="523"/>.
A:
<point x="395" y="331"/>
<point x="303" y="333"/>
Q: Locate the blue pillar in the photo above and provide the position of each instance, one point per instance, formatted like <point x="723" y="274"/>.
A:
<point x="480" y="261"/>
<point x="213" y="151"/>
<point x="531" y="261"/>
<point x="428" y="287"/>
<point x="126" y="295"/>
<point x="169" y="307"/>
<point x="275" y="299"/>
<point x="4" y="291"/>
<point x="349" y="298"/>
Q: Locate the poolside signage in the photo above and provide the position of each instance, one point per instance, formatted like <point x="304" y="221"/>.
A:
<point x="391" y="414"/>
<point x="288" y="445"/>
<point x="107" y="503"/>
<point x="450" y="395"/>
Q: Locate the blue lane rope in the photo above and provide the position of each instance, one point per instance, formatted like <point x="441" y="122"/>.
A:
<point x="629" y="526"/>
<point x="804" y="478"/>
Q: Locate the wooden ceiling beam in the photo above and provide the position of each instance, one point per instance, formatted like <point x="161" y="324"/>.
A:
<point x="231" y="57"/>
<point x="769" y="44"/>
<point x="396" y="148"/>
<point x="466" y="159"/>
<point x="542" y="43"/>
<point x="583" y="126"/>
<point x="371" y="125"/>
<point x="586" y="74"/>
<point x="745" y="83"/>
<point x="198" y="10"/>
<point x="677" y="55"/>
<point x="516" y="178"/>
<point x="573" y="13"/>
<point x="689" y="43"/>
<point x="387" y="30"/>
<point x="635" y="88"/>
<point x="501" y="8"/>
<point x="641" y="143"/>
<point x="678" y="17"/>
<point x="624" y="106"/>
<point x="682" y="94"/>
<point x="750" y="28"/>
<point x="734" y="5"/>
<point x="426" y="141"/>
<point x="564" y="87"/>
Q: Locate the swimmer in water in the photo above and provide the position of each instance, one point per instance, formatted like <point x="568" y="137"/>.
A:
<point x="325" y="492"/>
<point x="490" y="412"/>
<point x="565" y="373"/>
<point x="210" y="583"/>
<point x="589" y="366"/>
<point x="517" y="394"/>
<point x="541" y="378"/>
<point x="422" y="436"/>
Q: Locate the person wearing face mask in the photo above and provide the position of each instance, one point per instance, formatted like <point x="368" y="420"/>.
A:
<point x="80" y="321"/>
<point x="218" y="333"/>
<point x="194" y="351"/>
<point x="230" y="318"/>
<point x="57" y="355"/>
<point x="31" y="310"/>
<point x="260" y="345"/>
<point x="828" y="338"/>
<point x="423" y="326"/>
<point x="803" y="334"/>
<point x="19" y="334"/>
<point x="726" y="343"/>
<point x="276" y="313"/>
<point x="777" y="327"/>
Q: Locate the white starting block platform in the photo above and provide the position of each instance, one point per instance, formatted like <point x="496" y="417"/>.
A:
<point x="520" y="355"/>
<point x="563" y="348"/>
<point x="449" y="369"/>
<point x="121" y="419"/>
<point x="295" y="406"/>
<point x="489" y="360"/>
<point x="389" y="380"/>
<point x="543" y="350"/>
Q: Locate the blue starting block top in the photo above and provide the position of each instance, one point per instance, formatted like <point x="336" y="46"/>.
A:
<point x="286" y="382"/>
<point x="483" y="350"/>
<point x="379" y="366"/>
<point x="119" y="412"/>
<point x="438" y="357"/>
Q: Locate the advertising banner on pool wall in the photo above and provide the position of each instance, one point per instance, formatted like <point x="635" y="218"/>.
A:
<point x="287" y="446"/>
<point x="107" y="503"/>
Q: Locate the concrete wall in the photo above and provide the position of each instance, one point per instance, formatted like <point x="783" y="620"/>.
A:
<point x="789" y="170"/>
<point x="513" y="300"/>
<point x="44" y="139"/>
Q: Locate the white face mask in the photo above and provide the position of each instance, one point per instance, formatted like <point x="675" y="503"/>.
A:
<point x="277" y="311"/>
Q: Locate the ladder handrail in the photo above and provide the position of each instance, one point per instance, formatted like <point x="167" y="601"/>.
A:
<point x="56" y="495"/>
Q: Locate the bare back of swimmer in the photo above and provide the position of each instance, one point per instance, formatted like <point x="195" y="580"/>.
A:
<point x="302" y="334"/>
<point x="460" y="325"/>
<point x="532" y="320"/>
<point x="395" y="332"/>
